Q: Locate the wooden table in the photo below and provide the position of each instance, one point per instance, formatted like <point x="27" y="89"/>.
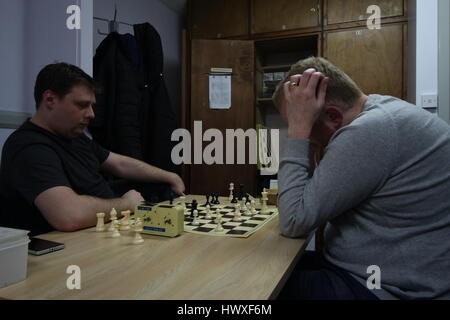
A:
<point x="190" y="266"/>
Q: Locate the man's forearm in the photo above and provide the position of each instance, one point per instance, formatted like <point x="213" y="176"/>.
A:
<point x="88" y="207"/>
<point x="133" y="169"/>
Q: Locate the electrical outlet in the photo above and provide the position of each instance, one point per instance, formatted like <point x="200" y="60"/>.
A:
<point x="429" y="101"/>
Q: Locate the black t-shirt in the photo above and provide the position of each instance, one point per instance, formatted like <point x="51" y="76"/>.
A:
<point x="34" y="160"/>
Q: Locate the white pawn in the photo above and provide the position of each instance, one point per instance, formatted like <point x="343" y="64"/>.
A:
<point x="100" y="222"/>
<point x="244" y="201"/>
<point x="247" y="211"/>
<point x="183" y="202"/>
<point x="113" y="216"/>
<point x="217" y="217"/>
<point x="231" y="191"/>
<point x="219" y="227"/>
<point x="116" y="232"/>
<point x="237" y="212"/>
<point x="195" y="221"/>
<point x="137" y="229"/>
<point x="208" y="212"/>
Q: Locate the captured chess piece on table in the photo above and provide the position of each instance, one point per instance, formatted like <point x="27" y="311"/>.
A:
<point x="137" y="232"/>
<point x="113" y="217"/>
<point x="125" y="222"/>
<point x="100" y="222"/>
<point x="115" y="233"/>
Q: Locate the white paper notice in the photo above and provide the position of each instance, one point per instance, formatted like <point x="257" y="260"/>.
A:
<point x="219" y="92"/>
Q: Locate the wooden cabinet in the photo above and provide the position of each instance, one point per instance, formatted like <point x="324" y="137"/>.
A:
<point x="281" y="32"/>
<point x="239" y="56"/>
<point x="374" y="59"/>
<point x="341" y="11"/>
<point x="280" y="15"/>
<point x="215" y="19"/>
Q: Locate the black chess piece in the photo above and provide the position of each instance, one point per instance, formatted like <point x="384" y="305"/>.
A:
<point x="248" y="199"/>
<point x="241" y="192"/>
<point x="234" y="200"/>
<point x="217" y="199"/>
<point x="214" y="198"/>
<point x="207" y="201"/>
<point x="194" y="205"/>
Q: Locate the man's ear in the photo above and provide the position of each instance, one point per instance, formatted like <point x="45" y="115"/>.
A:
<point x="48" y="99"/>
<point x="334" y="116"/>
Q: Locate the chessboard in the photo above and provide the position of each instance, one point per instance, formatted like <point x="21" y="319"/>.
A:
<point x="241" y="229"/>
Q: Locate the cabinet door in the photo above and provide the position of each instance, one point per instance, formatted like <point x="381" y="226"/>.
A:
<point x="279" y="15"/>
<point x="340" y="11"/>
<point x="374" y="59"/>
<point x="212" y="19"/>
<point x="238" y="55"/>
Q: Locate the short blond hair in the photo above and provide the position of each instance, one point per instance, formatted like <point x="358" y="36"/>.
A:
<point x="342" y="91"/>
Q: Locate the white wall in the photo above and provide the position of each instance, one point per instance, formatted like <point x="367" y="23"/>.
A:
<point x="12" y="55"/>
<point x="426" y="48"/>
<point x="444" y="59"/>
<point x="166" y="21"/>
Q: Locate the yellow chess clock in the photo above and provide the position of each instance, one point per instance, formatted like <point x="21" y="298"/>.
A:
<point x="161" y="219"/>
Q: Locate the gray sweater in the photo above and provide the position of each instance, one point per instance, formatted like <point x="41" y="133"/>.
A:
<point x="383" y="186"/>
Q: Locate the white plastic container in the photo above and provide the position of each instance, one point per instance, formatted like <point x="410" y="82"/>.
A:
<point x="13" y="255"/>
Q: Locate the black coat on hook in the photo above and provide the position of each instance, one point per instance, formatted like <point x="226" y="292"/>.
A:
<point x="134" y="116"/>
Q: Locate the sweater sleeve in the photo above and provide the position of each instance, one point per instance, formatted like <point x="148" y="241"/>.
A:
<point x="357" y="162"/>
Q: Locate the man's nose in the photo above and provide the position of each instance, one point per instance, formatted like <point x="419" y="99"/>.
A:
<point x="90" y="112"/>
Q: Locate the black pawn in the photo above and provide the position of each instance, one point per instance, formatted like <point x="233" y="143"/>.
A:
<point x="234" y="200"/>
<point x="217" y="199"/>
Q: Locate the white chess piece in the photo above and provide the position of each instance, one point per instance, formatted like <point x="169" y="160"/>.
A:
<point x="219" y="227"/>
<point x="253" y="208"/>
<point x="195" y="221"/>
<point x="231" y="191"/>
<point x="125" y="222"/>
<point x="100" y="222"/>
<point x="183" y="202"/>
<point x="116" y="232"/>
<point x="237" y="212"/>
<point x="264" y="201"/>
<point x="137" y="229"/>
<point x="113" y="216"/>
<point x="217" y="214"/>
<point x="244" y="201"/>
<point x="208" y="212"/>
<point x="247" y="211"/>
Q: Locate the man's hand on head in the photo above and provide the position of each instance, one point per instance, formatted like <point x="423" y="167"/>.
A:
<point x="302" y="102"/>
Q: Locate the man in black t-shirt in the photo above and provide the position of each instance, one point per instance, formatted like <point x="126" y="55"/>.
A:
<point x="50" y="174"/>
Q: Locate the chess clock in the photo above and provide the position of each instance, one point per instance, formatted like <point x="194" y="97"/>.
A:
<point x="161" y="219"/>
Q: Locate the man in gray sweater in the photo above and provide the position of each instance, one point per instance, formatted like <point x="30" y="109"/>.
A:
<point x="382" y="188"/>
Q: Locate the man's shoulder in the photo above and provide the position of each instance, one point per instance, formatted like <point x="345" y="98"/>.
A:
<point x="26" y="136"/>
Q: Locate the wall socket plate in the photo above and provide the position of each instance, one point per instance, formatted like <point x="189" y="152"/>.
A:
<point x="429" y="101"/>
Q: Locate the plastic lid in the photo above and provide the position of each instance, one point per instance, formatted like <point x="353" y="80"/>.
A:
<point x="9" y="235"/>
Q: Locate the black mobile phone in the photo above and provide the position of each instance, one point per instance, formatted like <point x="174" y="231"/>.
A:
<point x="39" y="247"/>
